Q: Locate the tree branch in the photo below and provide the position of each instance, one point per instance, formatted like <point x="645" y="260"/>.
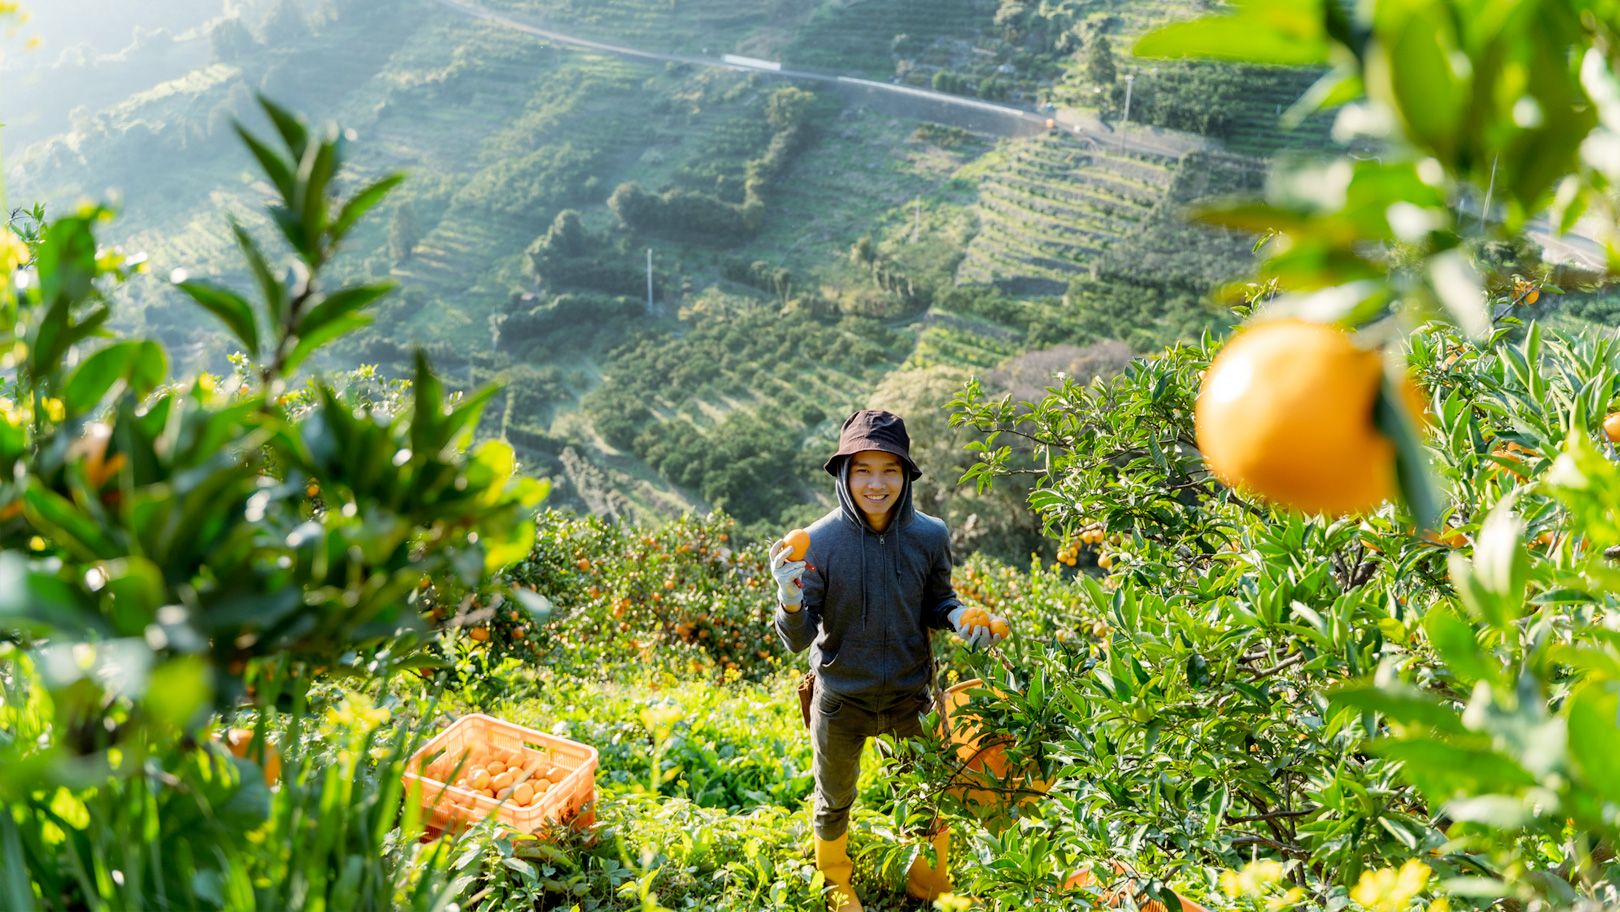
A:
<point x="1273" y="815"/>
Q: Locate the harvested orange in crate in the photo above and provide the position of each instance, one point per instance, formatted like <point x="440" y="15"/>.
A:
<point x="481" y="766"/>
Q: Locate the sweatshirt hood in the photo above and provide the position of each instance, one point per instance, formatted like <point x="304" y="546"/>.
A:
<point x="902" y="513"/>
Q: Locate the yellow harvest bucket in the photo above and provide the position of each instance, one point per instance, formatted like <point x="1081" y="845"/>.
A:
<point x="986" y="784"/>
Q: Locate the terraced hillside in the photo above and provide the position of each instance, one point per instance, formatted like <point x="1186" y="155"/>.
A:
<point x="1050" y="208"/>
<point x="1258" y="129"/>
<point x="874" y="242"/>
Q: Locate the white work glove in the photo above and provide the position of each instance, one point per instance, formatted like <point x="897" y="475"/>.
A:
<point x="789" y="587"/>
<point x="979" y="630"/>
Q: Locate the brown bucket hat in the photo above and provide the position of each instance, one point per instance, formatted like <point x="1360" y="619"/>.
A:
<point x="873" y="429"/>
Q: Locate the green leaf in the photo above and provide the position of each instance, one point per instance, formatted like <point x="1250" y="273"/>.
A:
<point x="307" y="344"/>
<point x="504" y="547"/>
<point x="1408" y="707"/>
<point x="1502" y="562"/>
<point x="1457" y="643"/>
<point x="230" y="307"/>
<point x="1413" y="474"/>
<point x="1287" y="32"/>
<point x="361" y="203"/>
<point x="538" y="606"/>
<point x="315" y="171"/>
<point x="340" y="304"/>
<point x="66" y="525"/>
<point x="1456" y="284"/>
<point x="1501" y="812"/>
<point x="1594" y="738"/>
<point x="275" y="293"/>
<point x="427" y="416"/>
<point x="67" y="260"/>
<point x="1480" y="601"/>
<point x="179" y="688"/>
<point x="18" y="892"/>
<point x="141" y="365"/>
<point x="1441" y="770"/>
<point x="1337" y="86"/>
<point x="290" y="126"/>
<point x="464" y="418"/>
<point x="275" y="168"/>
<point x="1414" y="73"/>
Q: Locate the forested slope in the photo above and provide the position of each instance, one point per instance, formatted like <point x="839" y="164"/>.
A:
<point x="805" y="250"/>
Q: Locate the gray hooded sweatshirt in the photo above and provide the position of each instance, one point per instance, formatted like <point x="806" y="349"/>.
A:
<point x="870" y="600"/>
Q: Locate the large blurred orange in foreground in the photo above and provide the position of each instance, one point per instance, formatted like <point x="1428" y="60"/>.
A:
<point x="1286" y="411"/>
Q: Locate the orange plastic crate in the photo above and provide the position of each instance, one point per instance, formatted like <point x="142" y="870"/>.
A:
<point x="571" y="800"/>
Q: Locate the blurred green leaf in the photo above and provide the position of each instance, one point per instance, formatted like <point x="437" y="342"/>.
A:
<point x="67" y="259"/>
<point x="361" y="203"/>
<point x="274" y="292"/>
<point x="538" y="606"/>
<point x="275" y="167"/>
<point x="68" y="526"/>
<point x="228" y="306"/>
<point x="1416" y="70"/>
<point x="180" y="689"/>
<point x="339" y="305"/>
<point x="141" y="365"/>
<point x="291" y="127"/>
<point x="1594" y="737"/>
<point x="1455" y="640"/>
<point x="1287" y="32"/>
<point x="1501" y="561"/>
<point x="1400" y="705"/>
<point x="1412" y="470"/>
<point x="309" y="342"/>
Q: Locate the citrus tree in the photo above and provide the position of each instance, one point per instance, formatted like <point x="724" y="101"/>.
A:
<point x="176" y="548"/>
<point x="1359" y="616"/>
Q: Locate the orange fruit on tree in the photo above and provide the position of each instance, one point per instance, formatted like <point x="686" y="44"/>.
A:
<point x="240" y="740"/>
<point x="798" y="542"/>
<point x="1452" y="539"/>
<point x="1611" y="427"/>
<point x="479" y="633"/>
<point x="1287" y="412"/>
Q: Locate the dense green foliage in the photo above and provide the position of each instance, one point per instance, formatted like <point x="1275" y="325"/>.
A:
<point x="178" y="549"/>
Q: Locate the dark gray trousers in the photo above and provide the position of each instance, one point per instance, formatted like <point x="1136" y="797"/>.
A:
<point x="838" y="733"/>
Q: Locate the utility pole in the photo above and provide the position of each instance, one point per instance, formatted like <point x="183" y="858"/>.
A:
<point x="649" y="282"/>
<point x="1130" y="79"/>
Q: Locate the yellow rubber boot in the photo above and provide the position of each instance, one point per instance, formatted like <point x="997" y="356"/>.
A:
<point x="832" y="860"/>
<point x="930" y="883"/>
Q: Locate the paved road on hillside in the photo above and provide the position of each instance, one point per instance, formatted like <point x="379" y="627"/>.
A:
<point x="923" y="104"/>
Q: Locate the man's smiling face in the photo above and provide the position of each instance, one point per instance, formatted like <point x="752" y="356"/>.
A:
<point x="876" y="479"/>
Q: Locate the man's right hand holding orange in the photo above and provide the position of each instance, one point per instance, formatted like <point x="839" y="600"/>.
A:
<point x="787" y="571"/>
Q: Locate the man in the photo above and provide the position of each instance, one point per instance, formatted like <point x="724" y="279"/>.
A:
<point x="873" y="584"/>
